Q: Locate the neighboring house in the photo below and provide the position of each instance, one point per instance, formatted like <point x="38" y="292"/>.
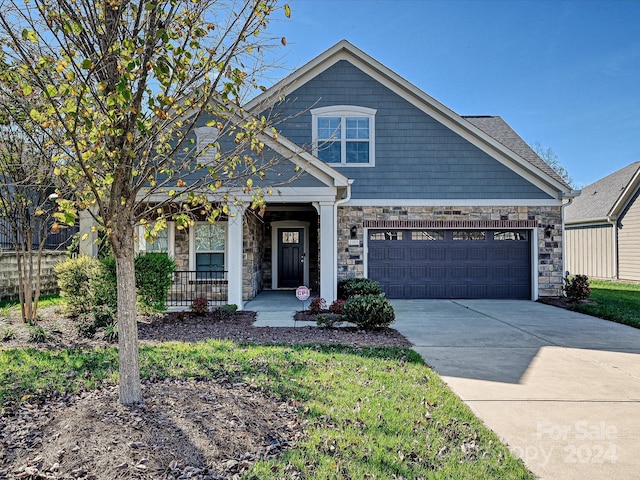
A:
<point x="59" y="240"/>
<point x="394" y="186"/>
<point x="603" y="227"/>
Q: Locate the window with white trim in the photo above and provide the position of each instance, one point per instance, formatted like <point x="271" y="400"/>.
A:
<point x="210" y="243"/>
<point x="160" y="242"/>
<point x="344" y="135"/>
<point x="163" y="240"/>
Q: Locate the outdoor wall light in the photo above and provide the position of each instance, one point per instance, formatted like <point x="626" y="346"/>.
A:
<point x="354" y="231"/>
<point x="547" y="231"/>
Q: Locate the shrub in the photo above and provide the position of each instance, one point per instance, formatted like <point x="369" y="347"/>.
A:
<point x="103" y="316"/>
<point x="224" y="312"/>
<point x="200" y="306"/>
<point x="106" y="286"/>
<point x="7" y="334"/>
<point x="351" y="287"/>
<point x="86" y="327"/>
<point x="153" y="282"/>
<point x="317" y="305"/>
<point x="110" y="333"/>
<point x="37" y="334"/>
<point x="154" y="272"/>
<point x="77" y="278"/>
<point x="369" y="312"/>
<point x="337" y="307"/>
<point x="328" y="320"/>
<point x="577" y="287"/>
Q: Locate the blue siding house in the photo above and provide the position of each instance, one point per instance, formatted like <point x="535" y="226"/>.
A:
<point x="391" y="185"/>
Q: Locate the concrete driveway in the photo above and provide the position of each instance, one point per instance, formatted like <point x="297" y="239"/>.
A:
<point x="560" y="388"/>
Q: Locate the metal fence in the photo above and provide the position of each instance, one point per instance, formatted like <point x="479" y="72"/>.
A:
<point x="55" y="241"/>
<point x="189" y="285"/>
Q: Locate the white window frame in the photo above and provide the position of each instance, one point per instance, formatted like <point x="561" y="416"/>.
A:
<point x="344" y="112"/>
<point x="192" y="245"/>
<point x="143" y="246"/>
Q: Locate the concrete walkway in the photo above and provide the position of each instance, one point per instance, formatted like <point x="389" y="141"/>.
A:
<point x="275" y="308"/>
<point x="560" y="388"/>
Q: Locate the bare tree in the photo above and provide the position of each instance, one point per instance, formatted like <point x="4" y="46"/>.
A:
<point x="549" y="156"/>
<point x="123" y="86"/>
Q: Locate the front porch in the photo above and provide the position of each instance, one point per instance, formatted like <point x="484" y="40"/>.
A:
<point x="232" y="261"/>
<point x="276" y="308"/>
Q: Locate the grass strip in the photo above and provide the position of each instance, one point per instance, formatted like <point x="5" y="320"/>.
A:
<point x="616" y="301"/>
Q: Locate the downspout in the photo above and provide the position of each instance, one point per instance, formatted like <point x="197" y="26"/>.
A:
<point x="614" y="225"/>
<point x="569" y="196"/>
<point x="335" y="234"/>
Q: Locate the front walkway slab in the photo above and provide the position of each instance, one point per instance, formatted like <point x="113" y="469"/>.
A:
<point x="560" y="388"/>
<point x="275" y="308"/>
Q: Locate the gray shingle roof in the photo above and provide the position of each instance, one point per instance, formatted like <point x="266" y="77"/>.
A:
<point x="597" y="200"/>
<point x="497" y="128"/>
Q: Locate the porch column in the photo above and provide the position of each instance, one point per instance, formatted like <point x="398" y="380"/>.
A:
<point x="88" y="238"/>
<point x="328" y="258"/>
<point x="235" y="256"/>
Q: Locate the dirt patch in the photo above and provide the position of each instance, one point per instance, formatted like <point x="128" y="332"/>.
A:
<point x="186" y="430"/>
<point x="198" y="430"/>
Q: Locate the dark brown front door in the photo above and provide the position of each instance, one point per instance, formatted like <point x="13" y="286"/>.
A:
<point x="290" y="257"/>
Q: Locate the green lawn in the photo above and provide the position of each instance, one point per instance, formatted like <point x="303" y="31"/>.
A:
<point x="44" y="301"/>
<point x="616" y="301"/>
<point x="372" y="412"/>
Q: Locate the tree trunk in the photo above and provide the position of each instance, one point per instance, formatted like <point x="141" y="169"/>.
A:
<point x="130" y="390"/>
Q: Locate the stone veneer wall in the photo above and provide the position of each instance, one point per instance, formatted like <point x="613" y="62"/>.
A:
<point x="351" y="258"/>
<point x="181" y="249"/>
<point x="253" y="256"/>
<point x="9" y="274"/>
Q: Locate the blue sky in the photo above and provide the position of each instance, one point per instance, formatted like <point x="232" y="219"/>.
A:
<point x="562" y="73"/>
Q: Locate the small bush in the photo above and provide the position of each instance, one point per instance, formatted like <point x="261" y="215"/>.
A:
<point x="317" y="305"/>
<point x="110" y="333"/>
<point x="369" y="312"/>
<point x="105" y="285"/>
<point x="328" y="320"/>
<point x="337" y="307"/>
<point x="37" y="334"/>
<point x="154" y="271"/>
<point x="200" y="306"/>
<point x="577" y="288"/>
<point x="224" y="312"/>
<point x="103" y="316"/>
<point x="351" y="287"/>
<point x="86" y="327"/>
<point x="7" y="334"/>
<point x="77" y="278"/>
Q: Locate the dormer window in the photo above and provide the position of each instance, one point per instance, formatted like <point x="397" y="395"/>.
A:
<point x="344" y="135"/>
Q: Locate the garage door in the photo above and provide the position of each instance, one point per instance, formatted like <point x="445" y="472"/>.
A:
<point x="451" y="263"/>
